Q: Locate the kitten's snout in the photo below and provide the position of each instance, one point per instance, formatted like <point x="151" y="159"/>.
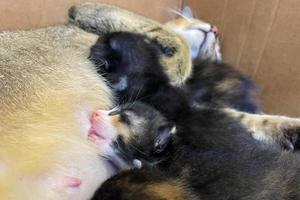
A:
<point x="99" y="115"/>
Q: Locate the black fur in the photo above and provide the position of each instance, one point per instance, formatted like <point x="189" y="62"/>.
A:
<point x="211" y="153"/>
<point x="204" y="87"/>
<point x="135" y="56"/>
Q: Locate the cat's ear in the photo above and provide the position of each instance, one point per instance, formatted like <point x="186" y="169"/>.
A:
<point x="163" y="137"/>
<point x="187" y="12"/>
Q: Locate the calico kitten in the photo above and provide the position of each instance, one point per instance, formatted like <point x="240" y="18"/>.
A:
<point x="209" y="156"/>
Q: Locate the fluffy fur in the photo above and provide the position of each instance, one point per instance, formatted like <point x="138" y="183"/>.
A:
<point x="203" y="41"/>
<point x="211" y="156"/>
<point x="94" y="18"/>
<point x="48" y="91"/>
<point x="132" y="60"/>
<point x="46" y="101"/>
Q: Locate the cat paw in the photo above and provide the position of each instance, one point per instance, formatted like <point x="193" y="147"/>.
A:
<point x="84" y="17"/>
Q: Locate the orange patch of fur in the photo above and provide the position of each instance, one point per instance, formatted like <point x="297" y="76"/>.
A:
<point x="171" y="190"/>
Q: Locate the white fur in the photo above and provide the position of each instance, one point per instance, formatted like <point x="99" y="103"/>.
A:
<point x="260" y="136"/>
<point x="203" y="47"/>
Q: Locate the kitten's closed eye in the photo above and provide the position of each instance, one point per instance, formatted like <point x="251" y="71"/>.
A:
<point x="169" y="51"/>
<point x="98" y="56"/>
<point x="163" y="137"/>
<point x="125" y="118"/>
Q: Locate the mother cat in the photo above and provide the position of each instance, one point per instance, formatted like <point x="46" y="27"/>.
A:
<point x="46" y="80"/>
<point x="48" y="90"/>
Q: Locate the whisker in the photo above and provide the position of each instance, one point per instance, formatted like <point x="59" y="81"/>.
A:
<point x="172" y="10"/>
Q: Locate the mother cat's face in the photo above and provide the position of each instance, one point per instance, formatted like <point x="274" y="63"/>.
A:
<point x="134" y="134"/>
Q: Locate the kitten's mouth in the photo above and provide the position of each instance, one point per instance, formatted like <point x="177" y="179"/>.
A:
<point x="95" y="136"/>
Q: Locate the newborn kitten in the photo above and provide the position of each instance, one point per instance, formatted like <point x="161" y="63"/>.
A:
<point x="207" y="156"/>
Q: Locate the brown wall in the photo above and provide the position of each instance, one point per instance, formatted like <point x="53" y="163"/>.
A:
<point x="261" y="38"/>
<point x="25" y="14"/>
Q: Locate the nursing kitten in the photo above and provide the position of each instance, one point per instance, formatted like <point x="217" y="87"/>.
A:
<point x="207" y="156"/>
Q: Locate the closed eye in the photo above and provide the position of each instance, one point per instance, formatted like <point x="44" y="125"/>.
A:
<point x="100" y="62"/>
<point x="124" y="118"/>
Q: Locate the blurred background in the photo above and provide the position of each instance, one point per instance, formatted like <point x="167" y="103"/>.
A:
<point x="259" y="37"/>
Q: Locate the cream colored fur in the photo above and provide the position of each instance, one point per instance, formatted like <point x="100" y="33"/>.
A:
<point x="49" y="90"/>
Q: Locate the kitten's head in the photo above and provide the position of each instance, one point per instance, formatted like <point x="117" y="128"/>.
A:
<point x="142" y="132"/>
<point x="129" y="61"/>
<point x="201" y="36"/>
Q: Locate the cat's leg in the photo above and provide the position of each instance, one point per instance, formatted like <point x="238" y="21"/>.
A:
<point x="103" y="18"/>
<point x="270" y="128"/>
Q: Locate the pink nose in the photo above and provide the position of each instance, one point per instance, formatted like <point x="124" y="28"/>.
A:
<point x="215" y="30"/>
<point x="97" y="115"/>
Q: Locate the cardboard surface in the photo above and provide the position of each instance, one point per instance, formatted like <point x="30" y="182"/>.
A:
<point x="26" y="14"/>
<point x="262" y="39"/>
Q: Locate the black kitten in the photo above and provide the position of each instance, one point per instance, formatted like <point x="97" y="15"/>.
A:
<point x="131" y="65"/>
<point x="130" y="62"/>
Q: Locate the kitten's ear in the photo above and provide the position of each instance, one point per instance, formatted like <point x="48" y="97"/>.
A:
<point x="163" y="137"/>
<point x="187" y="12"/>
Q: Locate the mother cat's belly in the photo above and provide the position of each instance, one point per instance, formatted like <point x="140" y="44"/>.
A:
<point x="48" y="91"/>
